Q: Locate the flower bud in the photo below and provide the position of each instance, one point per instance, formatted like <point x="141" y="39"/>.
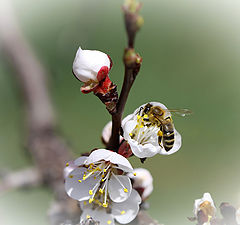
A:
<point x="91" y="67"/>
<point x="142" y="182"/>
<point x="204" y="209"/>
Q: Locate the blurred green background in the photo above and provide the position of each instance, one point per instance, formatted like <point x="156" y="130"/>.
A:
<point x="190" y="56"/>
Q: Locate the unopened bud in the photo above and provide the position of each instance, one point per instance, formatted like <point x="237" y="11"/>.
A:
<point x="91" y="67"/>
<point x="142" y="182"/>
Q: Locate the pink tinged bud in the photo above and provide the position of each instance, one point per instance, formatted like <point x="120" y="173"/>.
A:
<point x="91" y="67"/>
<point x="102" y="73"/>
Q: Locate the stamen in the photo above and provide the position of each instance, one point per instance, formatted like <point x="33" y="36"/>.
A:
<point x="67" y="164"/>
<point x="124" y="188"/>
<point x="109" y="221"/>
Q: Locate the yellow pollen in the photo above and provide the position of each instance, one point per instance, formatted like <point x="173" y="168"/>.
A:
<point x="105" y="170"/>
<point x="79" y="181"/>
<point x="134" y="174"/>
<point x="90" y="192"/>
<point x="103" y="176"/>
<point x="141" y="126"/>
<point x="123" y="212"/>
<point x="85" y="203"/>
<point x="105" y="205"/>
<point x="145" y="116"/>
<point x="71" y="176"/>
<point x="160" y="133"/>
<point x="130" y="134"/>
<point x="109" y="221"/>
<point x="88" y="217"/>
<point x="102" y="180"/>
<point x="84" y="178"/>
<point x="138" y="117"/>
<point x="84" y="175"/>
<point x="101" y="190"/>
<point x="90" y="200"/>
<point x="126" y="190"/>
<point x="67" y="164"/>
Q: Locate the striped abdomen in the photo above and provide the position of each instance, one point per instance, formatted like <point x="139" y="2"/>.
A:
<point x="167" y="137"/>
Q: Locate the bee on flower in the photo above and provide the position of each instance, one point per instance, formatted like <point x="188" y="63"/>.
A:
<point x="92" y="68"/>
<point x="100" y="183"/>
<point x="150" y="130"/>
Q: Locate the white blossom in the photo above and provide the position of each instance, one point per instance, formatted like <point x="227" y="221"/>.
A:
<point x="143" y="135"/>
<point x="107" y="132"/>
<point x="91" y="66"/>
<point x="206" y="205"/>
<point x="101" y="176"/>
<point x="142" y="182"/>
<point x="123" y="212"/>
<point x="238" y="215"/>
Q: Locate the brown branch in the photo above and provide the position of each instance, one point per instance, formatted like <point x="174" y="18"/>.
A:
<point x="132" y="62"/>
<point x="48" y="149"/>
<point x="26" y="178"/>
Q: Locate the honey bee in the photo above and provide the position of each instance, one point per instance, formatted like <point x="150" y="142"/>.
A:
<point x="155" y="115"/>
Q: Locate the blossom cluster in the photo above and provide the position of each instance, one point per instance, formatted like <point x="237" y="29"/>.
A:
<point x="205" y="212"/>
<point x="104" y="182"/>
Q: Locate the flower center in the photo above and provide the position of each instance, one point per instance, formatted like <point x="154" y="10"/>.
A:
<point x="144" y="132"/>
<point x="99" y="193"/>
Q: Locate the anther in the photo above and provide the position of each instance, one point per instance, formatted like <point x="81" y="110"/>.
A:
<point x="125" y="190"/>
<point x="90" y="192"/>
<point x="109" y="221"/>
<point x="90" y="200"/>
<point x="67" y="164"/>
<point x="101" y="190"/>
<point x="105" y="205"/>
<point x="88" y="217"/>
<point x="79" y="181"/>
<point x="123" y="212"/>
<point x="70" y="176"/>
<point x="134" y="174"/>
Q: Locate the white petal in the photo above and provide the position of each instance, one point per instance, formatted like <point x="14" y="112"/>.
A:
<point x="116" y="190"/>
<point x="87" y="63"/>
<point x="126" y="211"/>
<point x="127" y="118"/>
<point x="176" y="146"/>
<point x="113" y="157"/>
<point x="98" y="215"/>
<point x="142" y="151"/>
<point x="80" y="161"/>
<point x="80" y="190"/>
<point x="69" y="168"/>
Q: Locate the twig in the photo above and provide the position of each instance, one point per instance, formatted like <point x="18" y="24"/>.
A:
<point x="132" y="62"/>
<point x="26" y="178"/>
<point x="48" y="149"/>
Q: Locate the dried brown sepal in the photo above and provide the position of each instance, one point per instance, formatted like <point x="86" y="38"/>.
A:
<point x="110" y="98"/>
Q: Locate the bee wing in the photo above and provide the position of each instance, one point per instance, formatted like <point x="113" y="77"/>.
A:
<point x="180" y="112"/>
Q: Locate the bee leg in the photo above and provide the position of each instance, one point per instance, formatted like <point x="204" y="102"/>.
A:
<point x="160" y="136"/>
